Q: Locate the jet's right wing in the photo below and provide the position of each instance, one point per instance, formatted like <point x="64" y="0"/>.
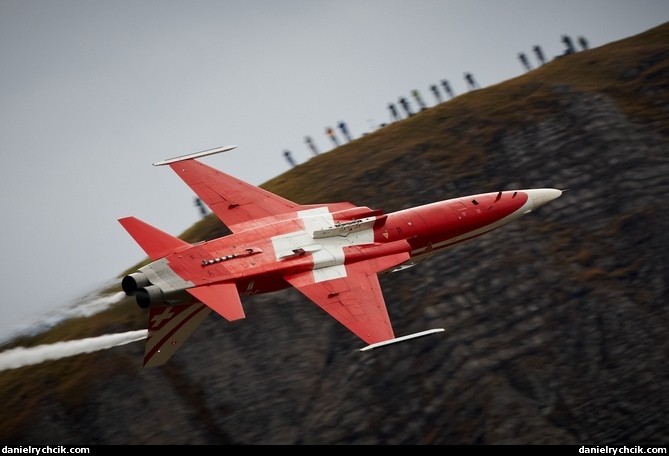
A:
<point x="238" y="204"/>
<point x="233" y="201"/>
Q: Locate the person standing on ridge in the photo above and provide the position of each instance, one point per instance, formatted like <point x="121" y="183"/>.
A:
<point x="203" y="208"/>
<point x="471" y="83"/>
<point x="419" y="100"/>
<point x="393" y="112"/>
<point x="330" y="132"/>
<point x="584" y="43"/>
<point x="437" y="94"/>
<point x="312" y="146"/>
<point x="447" y="88"/>
<point x="540" y="54"/>
<point x="344" y="131"/>
<point x="523" y="60"/>
<point x="566" y="39"/>
<point x="405" y="105"/>
<point x="289" y="158"/>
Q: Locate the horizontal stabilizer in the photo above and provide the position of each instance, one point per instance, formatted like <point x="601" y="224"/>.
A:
<point x="169" y="327"/>
<point x="223" y="298"/>
<point x="402" y="339"/>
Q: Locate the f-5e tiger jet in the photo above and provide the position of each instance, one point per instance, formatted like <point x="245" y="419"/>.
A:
<point x="332" y="253"/>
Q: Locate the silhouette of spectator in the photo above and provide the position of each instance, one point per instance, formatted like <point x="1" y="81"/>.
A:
<point x="447" y="88"/>
<point x="393" y="112"/>
<point x="331" y="135"/>
<point x="289" y="158"/>
<point x="344" y="131"/>
<point x="437" y="94"/>
<point x="419" y="100"/>
<point x="523" y="60"/>
<point x="471" y="83"/>
<point x="570" y="46"/>
<point x="540" y="54"/>
<point x="312" y="146"/>
<point x="406" y="107"/>
<point x="583" y="42"/>
<point x="200" y="204"/>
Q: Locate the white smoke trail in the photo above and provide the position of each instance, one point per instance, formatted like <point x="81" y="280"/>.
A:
<point x="88" y="305"/>
<point x="21" y="356"/>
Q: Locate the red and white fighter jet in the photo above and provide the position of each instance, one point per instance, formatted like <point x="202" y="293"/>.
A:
<point x="332" y="253"/>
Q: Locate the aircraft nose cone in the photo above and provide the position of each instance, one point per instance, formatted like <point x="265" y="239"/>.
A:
<point x="541" y="196"/>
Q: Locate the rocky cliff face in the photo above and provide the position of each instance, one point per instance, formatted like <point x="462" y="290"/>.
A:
<point x="556" y="326"/>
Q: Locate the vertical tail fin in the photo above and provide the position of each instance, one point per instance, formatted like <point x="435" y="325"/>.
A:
<point x="154" y="242"/>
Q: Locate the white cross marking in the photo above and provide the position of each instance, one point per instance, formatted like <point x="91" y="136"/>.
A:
<point x="158" y="319"/>
<point x="329" y="256"/>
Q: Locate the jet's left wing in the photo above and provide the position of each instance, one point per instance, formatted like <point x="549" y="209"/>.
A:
<point x="352" y="295"/>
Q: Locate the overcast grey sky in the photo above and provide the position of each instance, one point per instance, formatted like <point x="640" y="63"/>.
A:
<point x="93" y="92"/>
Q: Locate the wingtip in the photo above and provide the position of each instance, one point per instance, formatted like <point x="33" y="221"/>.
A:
<point x="203" y="153"/>
<point x="401" y="339"/>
